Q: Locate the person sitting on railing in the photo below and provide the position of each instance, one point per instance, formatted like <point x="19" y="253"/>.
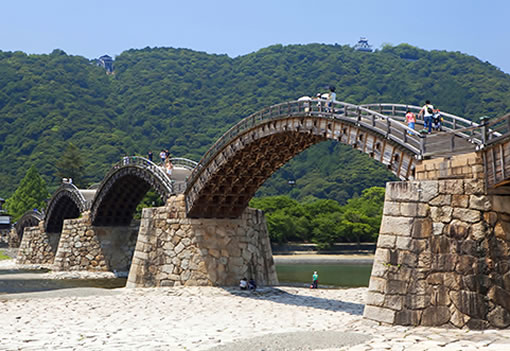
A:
<point x="427" y="111"/>
<point x="411" y="120"/>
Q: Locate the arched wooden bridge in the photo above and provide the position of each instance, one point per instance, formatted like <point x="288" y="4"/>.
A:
<point x="229" y="174"/>
<point x="114" y="200"/>
<point x="30" y="218"/>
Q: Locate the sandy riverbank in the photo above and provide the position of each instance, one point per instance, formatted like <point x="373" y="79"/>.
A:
<point x="216" y="319"/>
<point x="219" y="319"/>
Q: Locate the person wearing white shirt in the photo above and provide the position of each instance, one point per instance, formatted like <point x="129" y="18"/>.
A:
<point x="427" y="111"/>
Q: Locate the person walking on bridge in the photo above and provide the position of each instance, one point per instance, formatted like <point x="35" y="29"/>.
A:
<point x="162" y="156"/>
<point x="411" y="120"/>
<point x="427" y="111"/>
<point x="331" y="98"/>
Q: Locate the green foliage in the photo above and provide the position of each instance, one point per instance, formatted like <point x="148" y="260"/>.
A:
<point x="31" y="193"/>
<point x="323" y="222"/>
<point x="70" y="165"/>
<point x="3" y="256"/>
<point x="151" y="199"/>
<point x="185" y="100"/>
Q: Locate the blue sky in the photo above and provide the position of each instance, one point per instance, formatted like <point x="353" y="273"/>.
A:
<point x="92" y="28"/>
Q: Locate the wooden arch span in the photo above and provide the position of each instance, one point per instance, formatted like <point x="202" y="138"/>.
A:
<point x="30" y="218"/>
<point x="66" y="202"/>
<point x="235" y="167"/>
<point x="124" y="187"/>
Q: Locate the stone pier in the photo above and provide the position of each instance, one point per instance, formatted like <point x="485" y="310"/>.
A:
<point x="38" y="246"/>
<point x="86" y="247"/>
<point x="442" y="256"/>
<point x="174" y="250"/>
<point x="166" y="249"/>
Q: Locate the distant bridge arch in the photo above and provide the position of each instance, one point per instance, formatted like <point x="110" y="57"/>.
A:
<point x="124" y="187"/>
<point x="235" y="167"/>
<point x="30" y="218"/>
<point x="67" y="202"/>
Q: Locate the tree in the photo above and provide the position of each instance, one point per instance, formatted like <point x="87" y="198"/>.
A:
<point x="70" y="165"/>
<point x="31" y="193"/>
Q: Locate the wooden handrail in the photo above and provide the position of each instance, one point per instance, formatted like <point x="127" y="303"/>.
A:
<point x="391" y="128"/>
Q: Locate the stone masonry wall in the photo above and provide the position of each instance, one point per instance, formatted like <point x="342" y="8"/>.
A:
<point x="13" y="239"/>
<point x="442" y="256"/>
<point x="174" y="250"/>
<point x="85" y="247"/>
<point x="37" y="246"/>
<point x="465" y="166"/>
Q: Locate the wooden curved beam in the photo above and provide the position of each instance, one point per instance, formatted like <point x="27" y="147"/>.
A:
<point x="228" y="182"/>
<point x="124" y="187"/>
<point x="66" y="202"/>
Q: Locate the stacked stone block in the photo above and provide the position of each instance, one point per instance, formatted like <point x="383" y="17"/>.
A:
<point x="442" y="256"/>
<point x="173" y="250"/>
<point x="13" y="239"/>
<point x="37" y="246"/>
<point x="466" y="166"/>
<point x="86" y="247"/>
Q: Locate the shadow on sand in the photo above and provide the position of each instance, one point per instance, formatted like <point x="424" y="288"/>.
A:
<point x="278" y="295"/>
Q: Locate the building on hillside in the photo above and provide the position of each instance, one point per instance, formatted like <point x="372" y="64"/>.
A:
<point x="363" y="45"/>
<point x="106" y="62"/>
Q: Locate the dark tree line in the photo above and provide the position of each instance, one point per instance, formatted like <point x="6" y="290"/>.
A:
<point x="184" y="100"/>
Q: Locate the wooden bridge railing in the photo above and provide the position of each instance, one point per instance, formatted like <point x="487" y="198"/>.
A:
<point x="450" y="121"/>
<point x="184" y="163"/>
<point x="143" y="163"/>
<point x="494" y="130"/>
<point x="389" y="127"/>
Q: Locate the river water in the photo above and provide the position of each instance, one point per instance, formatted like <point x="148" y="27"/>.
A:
<point x="330" y="274"/>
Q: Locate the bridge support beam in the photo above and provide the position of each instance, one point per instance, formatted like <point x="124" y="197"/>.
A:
<point x="443" y="253"/>
<point x="173" y="250"/>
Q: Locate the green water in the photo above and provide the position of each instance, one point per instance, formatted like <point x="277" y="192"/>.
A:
<point x="341" y="275"/>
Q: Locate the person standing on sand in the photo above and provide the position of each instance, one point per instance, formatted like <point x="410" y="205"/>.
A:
<point x="315" y="280"/>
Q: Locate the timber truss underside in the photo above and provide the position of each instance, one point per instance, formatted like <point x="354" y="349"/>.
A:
<point x="230" y="180"/>
<point x="117" y="203"/>
<point x="63" y="208"/>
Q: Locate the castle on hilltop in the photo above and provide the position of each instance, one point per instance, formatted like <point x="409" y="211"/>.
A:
<point x="363" y="45"/>
<point x="106" y="62"/>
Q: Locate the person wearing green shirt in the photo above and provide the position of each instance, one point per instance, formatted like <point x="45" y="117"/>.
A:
<point x="315" y="280"/>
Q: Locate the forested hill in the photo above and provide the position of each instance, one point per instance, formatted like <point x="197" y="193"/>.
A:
<point x="184" y="100"/>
